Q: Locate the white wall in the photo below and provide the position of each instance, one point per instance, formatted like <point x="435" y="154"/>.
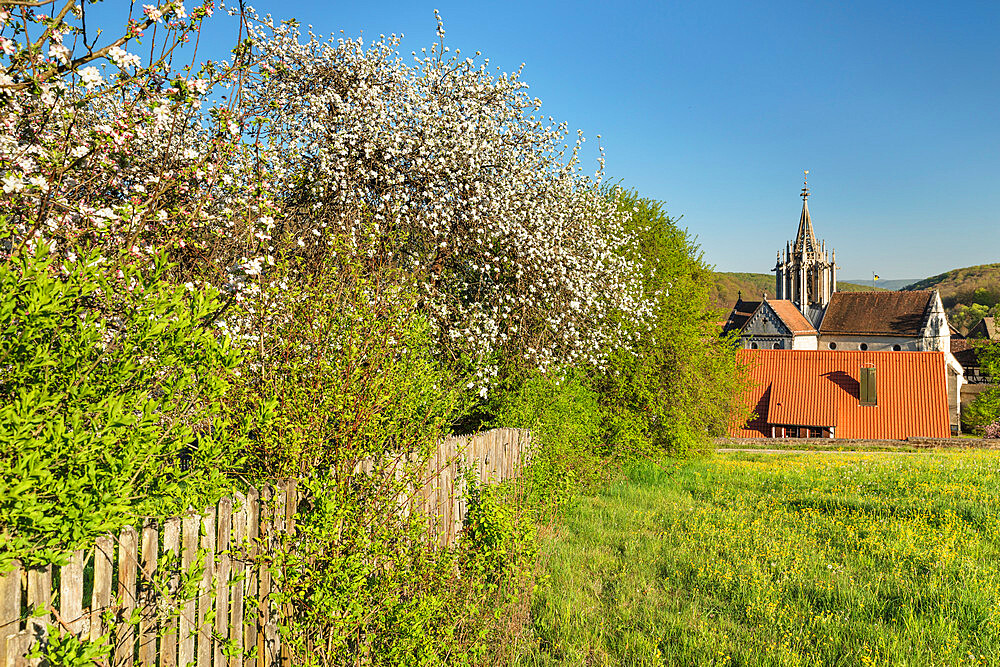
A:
<point x="804" y="342"/>
<point x="874" y="343"/>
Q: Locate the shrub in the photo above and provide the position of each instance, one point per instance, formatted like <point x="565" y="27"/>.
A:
<point x="674" y="386"/>
<point x="985" y="408"/>
<point x="110" y="394"/>
<point x="498" y="536"/>
<point x="564" y="417"/>
<point x="359" y="399"/>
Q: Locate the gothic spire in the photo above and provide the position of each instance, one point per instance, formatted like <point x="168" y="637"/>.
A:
<point x="805" y="239"/>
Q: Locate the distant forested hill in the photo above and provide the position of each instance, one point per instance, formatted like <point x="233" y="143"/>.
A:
<point x="728" y="285"/>
<point x="893" y="284"/>
<point x="968" y="294"/>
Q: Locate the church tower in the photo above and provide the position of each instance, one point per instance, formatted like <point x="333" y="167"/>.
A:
<point x="803" y="274"/>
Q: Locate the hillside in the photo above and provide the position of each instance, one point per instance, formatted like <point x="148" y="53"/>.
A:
<point x="968" y="293"/>
<point x="972" y="284"/>
<point x="891" y="284"/>
<point x="729" y="284"/>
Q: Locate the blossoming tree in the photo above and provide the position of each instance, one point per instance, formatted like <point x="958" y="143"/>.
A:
<point x="446" y="171"/>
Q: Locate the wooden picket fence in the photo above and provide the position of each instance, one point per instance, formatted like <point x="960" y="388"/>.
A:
<point x="495" y="455"/>
<point x="191" y="590"/>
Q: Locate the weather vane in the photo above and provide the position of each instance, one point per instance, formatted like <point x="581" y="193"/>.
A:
<point x="805" y="184"/>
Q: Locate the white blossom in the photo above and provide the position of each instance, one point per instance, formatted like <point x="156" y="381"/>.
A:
<point x="12" y="183"/>
<point x="124" y="59"/>
<point x="59" y="52"/>
<point x="90" y="77"/>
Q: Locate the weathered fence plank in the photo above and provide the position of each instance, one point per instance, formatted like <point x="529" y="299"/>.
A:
<point x="238" y="560"/>
<point x="264" y="586"/>
<point x="250" y="572"/>
<point x="71" y="593"/>
<point x="10" y="611"/>
<point x="187" y="622"/>
<point x="17" y="648"/>
<point x="171" y="553"/>
<point x="128" y="546"/>
<point x="100" y="600"/>
<point x="284" y="516"/>
<point x="272" y="648"/>
<point x="148" y="594"/>
<point x="203" y="640"/>
<point x="223" y="569"/>
<point x="39" y="601"/>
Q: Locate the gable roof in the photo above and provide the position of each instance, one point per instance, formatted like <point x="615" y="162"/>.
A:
<point x="790" y="315"/>
<point x="815" y="388"/>
<point x="785" y="311"/>
<point x="877" y="313"/>
<point x="740" y="314"/>
<point x="985" y="328"/>
<point x="965" y="353"/>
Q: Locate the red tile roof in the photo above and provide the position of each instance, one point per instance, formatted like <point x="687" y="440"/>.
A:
<point x="791" y="316"/>
<point x="876" y="313"/>
<point x="808" y="401"/>
<point x="820" y="388"/>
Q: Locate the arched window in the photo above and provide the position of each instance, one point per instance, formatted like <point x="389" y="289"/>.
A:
<point x="777" y="346"/>
<point x="753" y="346"/>
<point x="897" y="348"/>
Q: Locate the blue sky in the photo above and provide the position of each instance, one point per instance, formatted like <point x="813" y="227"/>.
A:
<point x="717" y="107"/>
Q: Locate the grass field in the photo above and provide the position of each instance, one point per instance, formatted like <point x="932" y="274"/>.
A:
<point x="779" y="559"/>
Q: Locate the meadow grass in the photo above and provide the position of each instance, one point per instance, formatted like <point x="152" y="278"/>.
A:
<point x="779" y="559"/>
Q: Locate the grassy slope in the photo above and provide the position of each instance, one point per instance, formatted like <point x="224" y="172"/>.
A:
<point x="729" y="284"/>
<point x="757" y="559"/>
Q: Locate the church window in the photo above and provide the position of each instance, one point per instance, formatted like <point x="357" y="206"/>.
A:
<point x="896" y="348"/>
<point x="833" y="346"/>
<point x="863" y="347"/>
<point x="777" y="346"/>
<point x="753" y="346"/>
